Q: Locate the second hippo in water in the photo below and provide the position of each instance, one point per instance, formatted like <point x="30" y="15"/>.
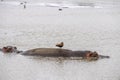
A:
<point x="10" y="49"/>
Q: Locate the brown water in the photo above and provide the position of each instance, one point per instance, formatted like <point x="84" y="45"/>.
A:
<point x="80" y="29"/>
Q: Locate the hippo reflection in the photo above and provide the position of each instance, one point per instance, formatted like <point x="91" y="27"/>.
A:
<point x="55" y="52"/>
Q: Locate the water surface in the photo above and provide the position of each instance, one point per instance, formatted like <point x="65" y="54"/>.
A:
<point x="95" y="29"/>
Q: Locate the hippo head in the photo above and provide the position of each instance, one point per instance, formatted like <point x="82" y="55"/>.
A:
<point x="92" y="55"/>
<point x="9" y="49"/>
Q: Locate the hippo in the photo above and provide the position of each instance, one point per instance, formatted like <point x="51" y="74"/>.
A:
<point x="10" y="49"/>
<point x="58" y="52"/>
<point x="55" y="52"/>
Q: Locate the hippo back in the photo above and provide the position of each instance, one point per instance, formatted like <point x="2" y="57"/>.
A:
<point x="48" y="52"/>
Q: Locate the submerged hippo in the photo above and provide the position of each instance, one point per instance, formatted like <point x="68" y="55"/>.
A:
<point x="10" y="49"/>
<point x="55" y="52"/>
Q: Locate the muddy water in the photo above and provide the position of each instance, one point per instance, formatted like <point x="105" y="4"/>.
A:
<point x="80" y="29"/>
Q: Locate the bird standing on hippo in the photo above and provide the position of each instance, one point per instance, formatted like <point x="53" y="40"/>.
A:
<point x="60" y="44"/>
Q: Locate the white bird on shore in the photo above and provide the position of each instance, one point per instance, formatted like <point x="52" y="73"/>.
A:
<point x="24" y="4"/>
